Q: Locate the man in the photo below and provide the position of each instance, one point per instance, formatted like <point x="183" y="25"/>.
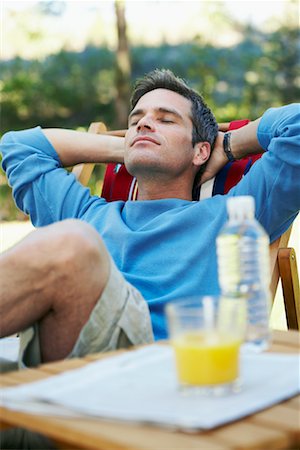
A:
<point x="82" y="286"/>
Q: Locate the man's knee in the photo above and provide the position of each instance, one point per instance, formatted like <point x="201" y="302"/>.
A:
<point x="76" y="242"/>
<point x="67" y="256"/>
<point x="80" y="255"/>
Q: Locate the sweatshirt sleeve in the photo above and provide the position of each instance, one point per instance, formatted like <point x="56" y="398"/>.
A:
<point x="41" y="187"/>
<point x="274" y="180"/>
<point x="279" y="132"/>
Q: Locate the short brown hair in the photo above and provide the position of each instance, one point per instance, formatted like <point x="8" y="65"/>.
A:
<point x="204" y="123"/>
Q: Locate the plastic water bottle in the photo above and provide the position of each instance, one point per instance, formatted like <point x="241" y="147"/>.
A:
<point x="244" y="268"/>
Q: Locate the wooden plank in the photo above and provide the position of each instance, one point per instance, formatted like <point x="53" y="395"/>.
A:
<point x="6" y="381"/>
<point x="12" y="379"/>
<point x="53" y="428"/>
<point x="63" y="366"/>
<point x="75" y="363"/>
<point x="245" y="435"/>
<point x="96" y="435"/>
<point x="290" y="338"/>
<point x="133" y="436"/>
<point x="282" y="348"/>
<point x="66" y="446"/>
<point x="282" y="418"/>
<point x="294" y="403"/>
<point x="83" y="172"/>
<point x="21" y="376"/>
<point x="98" y="356"/>
<point x="4" y="426"/>
<point x="290" y="286"/>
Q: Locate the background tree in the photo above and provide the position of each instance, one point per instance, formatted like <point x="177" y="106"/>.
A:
<point x="123" y="66"/>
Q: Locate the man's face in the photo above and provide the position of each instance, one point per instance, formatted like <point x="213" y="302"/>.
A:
<point x="159" y="136"/>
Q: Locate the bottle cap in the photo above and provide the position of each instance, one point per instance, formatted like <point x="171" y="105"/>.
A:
<point x="241" y="207"/>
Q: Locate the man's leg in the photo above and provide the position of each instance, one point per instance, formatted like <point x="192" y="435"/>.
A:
<point x="54" y="277"/>
<point x="63" y="277"/>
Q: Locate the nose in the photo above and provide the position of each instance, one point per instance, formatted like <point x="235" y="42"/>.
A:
<point x="145" y="123"/>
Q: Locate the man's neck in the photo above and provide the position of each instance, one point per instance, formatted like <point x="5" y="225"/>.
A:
<point x="161" y="190"/>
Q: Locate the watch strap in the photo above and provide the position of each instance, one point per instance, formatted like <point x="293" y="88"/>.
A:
<point x="227" y="147"/>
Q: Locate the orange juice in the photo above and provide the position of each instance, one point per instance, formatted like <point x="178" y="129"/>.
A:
<point x="204" y="360"/>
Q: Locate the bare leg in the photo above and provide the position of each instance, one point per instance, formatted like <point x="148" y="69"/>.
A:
<point x="55" y="277"/>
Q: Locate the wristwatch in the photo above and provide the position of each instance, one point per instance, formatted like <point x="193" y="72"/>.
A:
<point x="226" y="146"/>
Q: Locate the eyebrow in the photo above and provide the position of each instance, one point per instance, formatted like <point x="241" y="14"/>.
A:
<point x="140" y="111"/>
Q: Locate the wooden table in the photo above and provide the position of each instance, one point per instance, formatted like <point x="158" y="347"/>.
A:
<point x="275" y="428"/>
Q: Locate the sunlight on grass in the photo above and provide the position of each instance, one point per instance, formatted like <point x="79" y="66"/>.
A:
<point x="13" y="232"/>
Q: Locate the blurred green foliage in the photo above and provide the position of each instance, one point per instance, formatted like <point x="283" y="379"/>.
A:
<point x="72" y="89"/>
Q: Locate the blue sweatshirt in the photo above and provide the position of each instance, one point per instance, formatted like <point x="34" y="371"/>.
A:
<point x="165" y="248"/>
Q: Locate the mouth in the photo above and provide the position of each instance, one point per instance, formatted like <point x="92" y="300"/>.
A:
<point x="144" y="139"/>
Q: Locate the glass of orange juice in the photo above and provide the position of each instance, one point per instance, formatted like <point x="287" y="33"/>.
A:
<point x="206" y="334"/>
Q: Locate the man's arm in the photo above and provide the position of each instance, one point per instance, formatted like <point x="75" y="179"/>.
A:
<point x="274" y="180"/>
<point x="74" y="147"/>
<point x="33" y="167"/>
<point x="243" y="142"/>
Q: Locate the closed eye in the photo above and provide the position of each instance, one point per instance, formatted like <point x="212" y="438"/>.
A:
<point x="134" y="121"/>
<point x="166" y="121"/>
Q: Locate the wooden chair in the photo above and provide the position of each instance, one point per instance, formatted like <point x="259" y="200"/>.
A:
<point x="282" y="259"/>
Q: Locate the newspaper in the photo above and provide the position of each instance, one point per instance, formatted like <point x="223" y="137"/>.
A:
<point x="141" y="386"/>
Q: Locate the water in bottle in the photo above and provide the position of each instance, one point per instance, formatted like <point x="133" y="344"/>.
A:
<point x="244" y="267"/>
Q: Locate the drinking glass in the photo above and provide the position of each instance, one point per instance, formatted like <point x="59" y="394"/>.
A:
<point x="206" y="334"/>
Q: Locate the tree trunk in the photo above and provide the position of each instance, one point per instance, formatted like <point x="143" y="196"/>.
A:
<point x="123" y="67"/>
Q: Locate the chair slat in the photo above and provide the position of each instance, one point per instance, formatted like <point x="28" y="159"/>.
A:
<point x="290" y="286"/>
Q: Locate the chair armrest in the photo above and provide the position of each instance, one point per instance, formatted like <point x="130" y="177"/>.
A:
<point x="84" y="171"/>
<point x="290" y="286"/>
<point x="281" y="242"/>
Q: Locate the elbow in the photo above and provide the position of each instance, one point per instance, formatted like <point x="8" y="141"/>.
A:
<point x="6" y="144"/>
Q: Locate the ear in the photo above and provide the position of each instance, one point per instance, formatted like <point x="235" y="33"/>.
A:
<point x="201" y="153"/>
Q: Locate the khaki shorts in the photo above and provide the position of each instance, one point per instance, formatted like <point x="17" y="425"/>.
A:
<point x="120" y="319"/>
